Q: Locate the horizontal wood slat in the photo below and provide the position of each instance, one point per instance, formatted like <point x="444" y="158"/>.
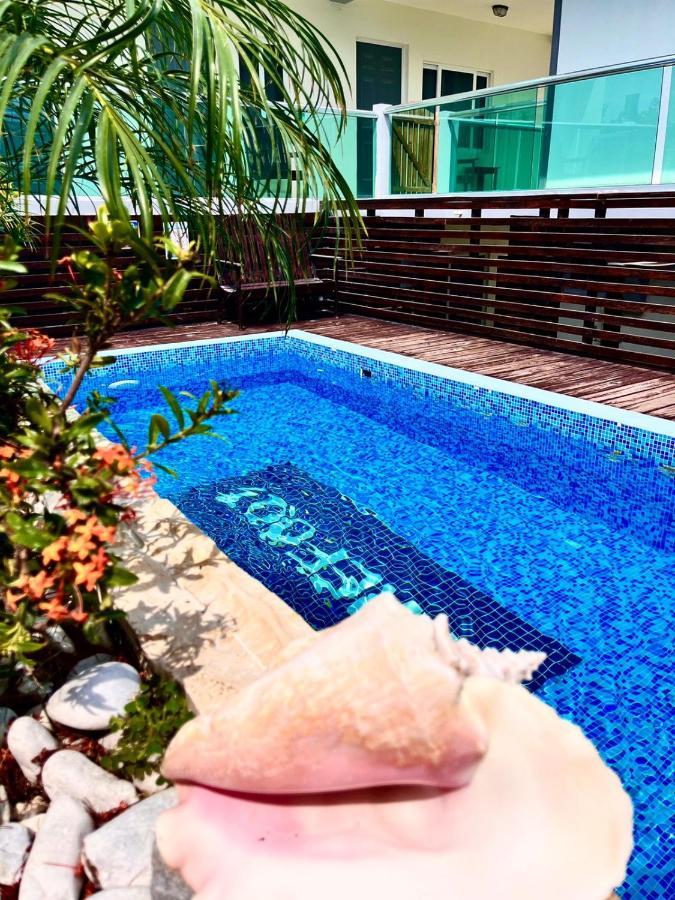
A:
<point x="547" y="200"/>
<point x="594" y="284"/>
<point x="534" y="320"/>
<point x="517" y="251"/>
<point x="660" y="225"/>
<point x="392" y="271"/>
<point x="541" y="238"/>
<point x="57" y="319"/>
<point x="461" y="262"/>
<point x="541" y="300"/>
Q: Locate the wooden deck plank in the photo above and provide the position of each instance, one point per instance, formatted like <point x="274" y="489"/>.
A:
<point x="615" y="384"/>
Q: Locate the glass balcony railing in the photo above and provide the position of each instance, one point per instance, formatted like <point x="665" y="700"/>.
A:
<point x="353" y="149"/>
<point x="606" y="128"/>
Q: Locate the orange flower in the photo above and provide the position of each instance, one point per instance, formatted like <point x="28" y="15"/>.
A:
<point x="93" y="528"/>
<point x="116" y="457"/>
<point x="73" y="516"/>
<point x="54" y="551"/>
<point x="12" y="480"/>
<point x="12" y="598"/>
<point x="89" y="573"/>
<point x="35" y="346"/>
<point x="55" y="610"/>
<point x="133" y="485"/>
<point x="7" y="452"/>
<point x="80" y="546"/>
<point x="35" y="586"/>
<point x="79" y="615"/>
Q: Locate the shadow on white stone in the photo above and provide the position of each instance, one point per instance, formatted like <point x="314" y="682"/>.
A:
<point x="90" y="700"/>
<point x="167" y="883"/>
<point x="132" y="893"/>
<point x="88" y="663"/>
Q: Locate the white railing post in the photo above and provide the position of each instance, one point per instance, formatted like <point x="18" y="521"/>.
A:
<point x="382" y="186"/>
<point x="662" y="125"/>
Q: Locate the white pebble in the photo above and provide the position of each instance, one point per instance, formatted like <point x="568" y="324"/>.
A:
<point x="34" y="823"/>
<point x="53" y="869"/>
<point x="71" y="773"/>
<point x="15" y="841"/>
<point x="4" y="807"/>
<point x="26" y="740"/>
<point x="33" y="807"/>
<point x="119" y="854"/>
<point x="110" y="741"/>
<point x="89" y="662"/>
<point x="90" y="700"/>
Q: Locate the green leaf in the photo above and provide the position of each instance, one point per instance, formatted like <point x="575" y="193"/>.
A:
<point x="38" y="415"/>
<point x="120" y="577"/>
<point x="158" y="425"/>
<point x="175" y="406"/>
<point x="27" y="531"/>
<point x="166" y="469"/>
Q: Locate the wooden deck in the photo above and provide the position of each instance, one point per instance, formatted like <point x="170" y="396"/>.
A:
<point x="616" y="384"/>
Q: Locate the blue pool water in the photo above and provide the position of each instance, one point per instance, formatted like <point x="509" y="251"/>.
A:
<point x="561" y="521"/>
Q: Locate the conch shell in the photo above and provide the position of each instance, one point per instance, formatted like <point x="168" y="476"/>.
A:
<point x="384" y="758"/>
<point x="375" y="700"/>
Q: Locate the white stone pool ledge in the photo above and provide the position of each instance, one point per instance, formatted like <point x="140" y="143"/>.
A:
<point x="199" y="617"/>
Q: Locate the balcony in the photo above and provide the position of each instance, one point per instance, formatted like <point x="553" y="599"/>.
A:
<point x="599" y="129"/>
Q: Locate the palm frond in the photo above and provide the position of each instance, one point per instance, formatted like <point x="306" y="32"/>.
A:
<point x="141" y="102"/>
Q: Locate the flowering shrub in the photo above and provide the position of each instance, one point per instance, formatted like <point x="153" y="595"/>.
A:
<point x="64" y="492"/>
<point x="33" y="347"/>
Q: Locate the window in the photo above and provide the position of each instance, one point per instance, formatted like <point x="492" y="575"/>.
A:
<point x="379" y="76"/>
<point x="440" y="82"/>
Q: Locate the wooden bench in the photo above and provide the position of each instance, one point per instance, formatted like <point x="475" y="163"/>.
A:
<point x="255" y="275"/>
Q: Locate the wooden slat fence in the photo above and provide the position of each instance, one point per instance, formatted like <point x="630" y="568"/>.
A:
<point x="580" y="274"/>
<point x="56" y="319"/>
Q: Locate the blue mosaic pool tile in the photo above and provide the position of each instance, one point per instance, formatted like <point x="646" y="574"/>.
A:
<point x="263" y="353"/>
<point x="326" y="557"/>
<point x="563" y="518"/>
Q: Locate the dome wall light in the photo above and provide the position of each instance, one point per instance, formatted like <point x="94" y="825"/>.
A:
<point x="500" y="10"/>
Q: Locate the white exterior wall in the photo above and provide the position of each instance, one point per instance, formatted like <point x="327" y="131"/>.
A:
<point x="597" y="33"/>
<point x="510" y="54"/>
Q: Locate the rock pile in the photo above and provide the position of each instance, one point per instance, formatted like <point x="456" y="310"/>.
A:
<point x="84" y="820"/>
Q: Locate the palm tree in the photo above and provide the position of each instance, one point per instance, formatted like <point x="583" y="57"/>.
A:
<point x="188" y="109"/>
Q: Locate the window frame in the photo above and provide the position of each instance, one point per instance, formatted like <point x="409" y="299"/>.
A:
<point x="442" y="67"/>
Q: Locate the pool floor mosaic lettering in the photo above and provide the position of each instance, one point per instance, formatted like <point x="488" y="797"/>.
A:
<point x="326" y="557"/>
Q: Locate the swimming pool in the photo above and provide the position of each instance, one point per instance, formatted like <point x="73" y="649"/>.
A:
<point x="558" y="513"/>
